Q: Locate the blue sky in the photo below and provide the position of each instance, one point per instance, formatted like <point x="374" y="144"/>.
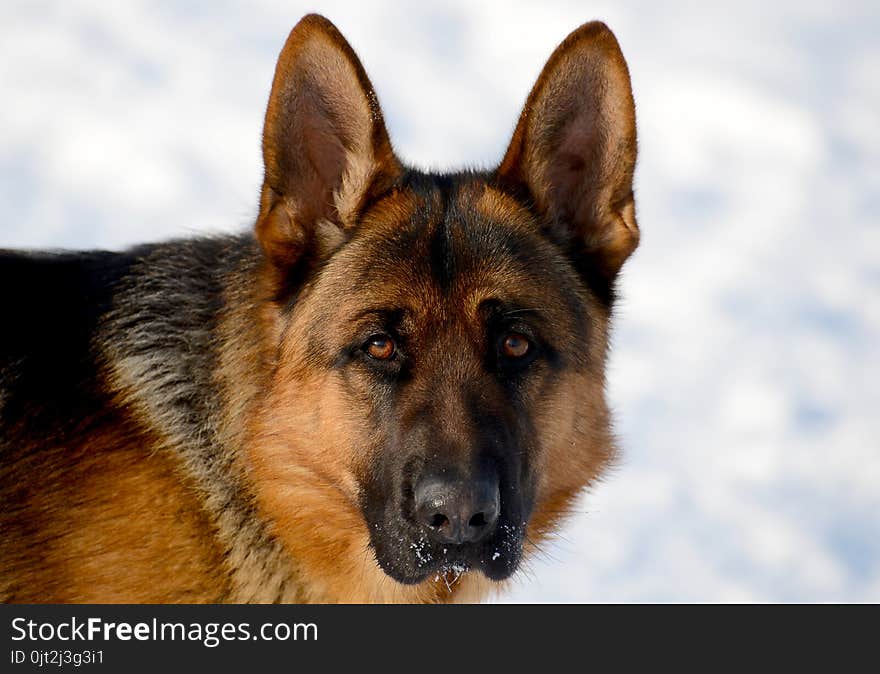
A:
<point x="746" y="360"/>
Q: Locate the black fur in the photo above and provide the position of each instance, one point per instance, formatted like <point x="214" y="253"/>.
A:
<point x="52" y="304"/>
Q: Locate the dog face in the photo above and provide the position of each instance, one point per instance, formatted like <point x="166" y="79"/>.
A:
<point x="459" y="341"/>
<point x="438" y="387"/>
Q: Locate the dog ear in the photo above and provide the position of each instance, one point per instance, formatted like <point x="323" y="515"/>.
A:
<point x="325" y="147"/>
<point x="573" y="152"/>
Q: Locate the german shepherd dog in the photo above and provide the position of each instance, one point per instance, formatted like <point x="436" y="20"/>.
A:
<point x="392" y="390"/>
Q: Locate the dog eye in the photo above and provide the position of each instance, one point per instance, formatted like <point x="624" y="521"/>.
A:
<point x="515" y="346"/>
<point x="380" y="347"/>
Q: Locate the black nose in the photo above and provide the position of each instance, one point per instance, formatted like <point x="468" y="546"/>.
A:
<point x="457" y="511"/>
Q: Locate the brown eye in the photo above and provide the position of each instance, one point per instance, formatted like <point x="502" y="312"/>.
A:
<point x="515" y="345"/>
<point x="380" y="347"/>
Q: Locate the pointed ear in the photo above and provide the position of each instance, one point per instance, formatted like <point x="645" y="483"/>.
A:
<point x="574" y="150"/>
<point x="325" y="147"/>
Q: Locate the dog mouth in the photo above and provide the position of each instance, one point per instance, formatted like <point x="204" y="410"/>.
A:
<point x="444" y="524"/>
<point x="410" y="557"/>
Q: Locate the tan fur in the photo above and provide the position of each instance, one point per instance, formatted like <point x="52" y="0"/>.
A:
<point x="112" y="518"/>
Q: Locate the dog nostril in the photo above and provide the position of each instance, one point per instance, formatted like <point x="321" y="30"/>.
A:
<point x="478" y="520"/>
<point x="456" y="511"/>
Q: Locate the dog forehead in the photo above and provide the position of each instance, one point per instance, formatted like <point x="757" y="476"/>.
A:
<point x="431" y="263"/>
<point x="440" y="237"/>
<point x="438" y="251"/>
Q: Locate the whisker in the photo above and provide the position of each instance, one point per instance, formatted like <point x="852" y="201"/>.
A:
<point x="512" y="312"/>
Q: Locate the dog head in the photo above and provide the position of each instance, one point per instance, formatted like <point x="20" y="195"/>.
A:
<point x="437" y="395"/>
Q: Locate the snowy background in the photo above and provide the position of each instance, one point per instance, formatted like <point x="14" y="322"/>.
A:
<point x="747" y="351"/>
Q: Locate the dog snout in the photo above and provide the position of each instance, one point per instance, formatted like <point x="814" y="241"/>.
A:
<point x="454" y="511"/>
